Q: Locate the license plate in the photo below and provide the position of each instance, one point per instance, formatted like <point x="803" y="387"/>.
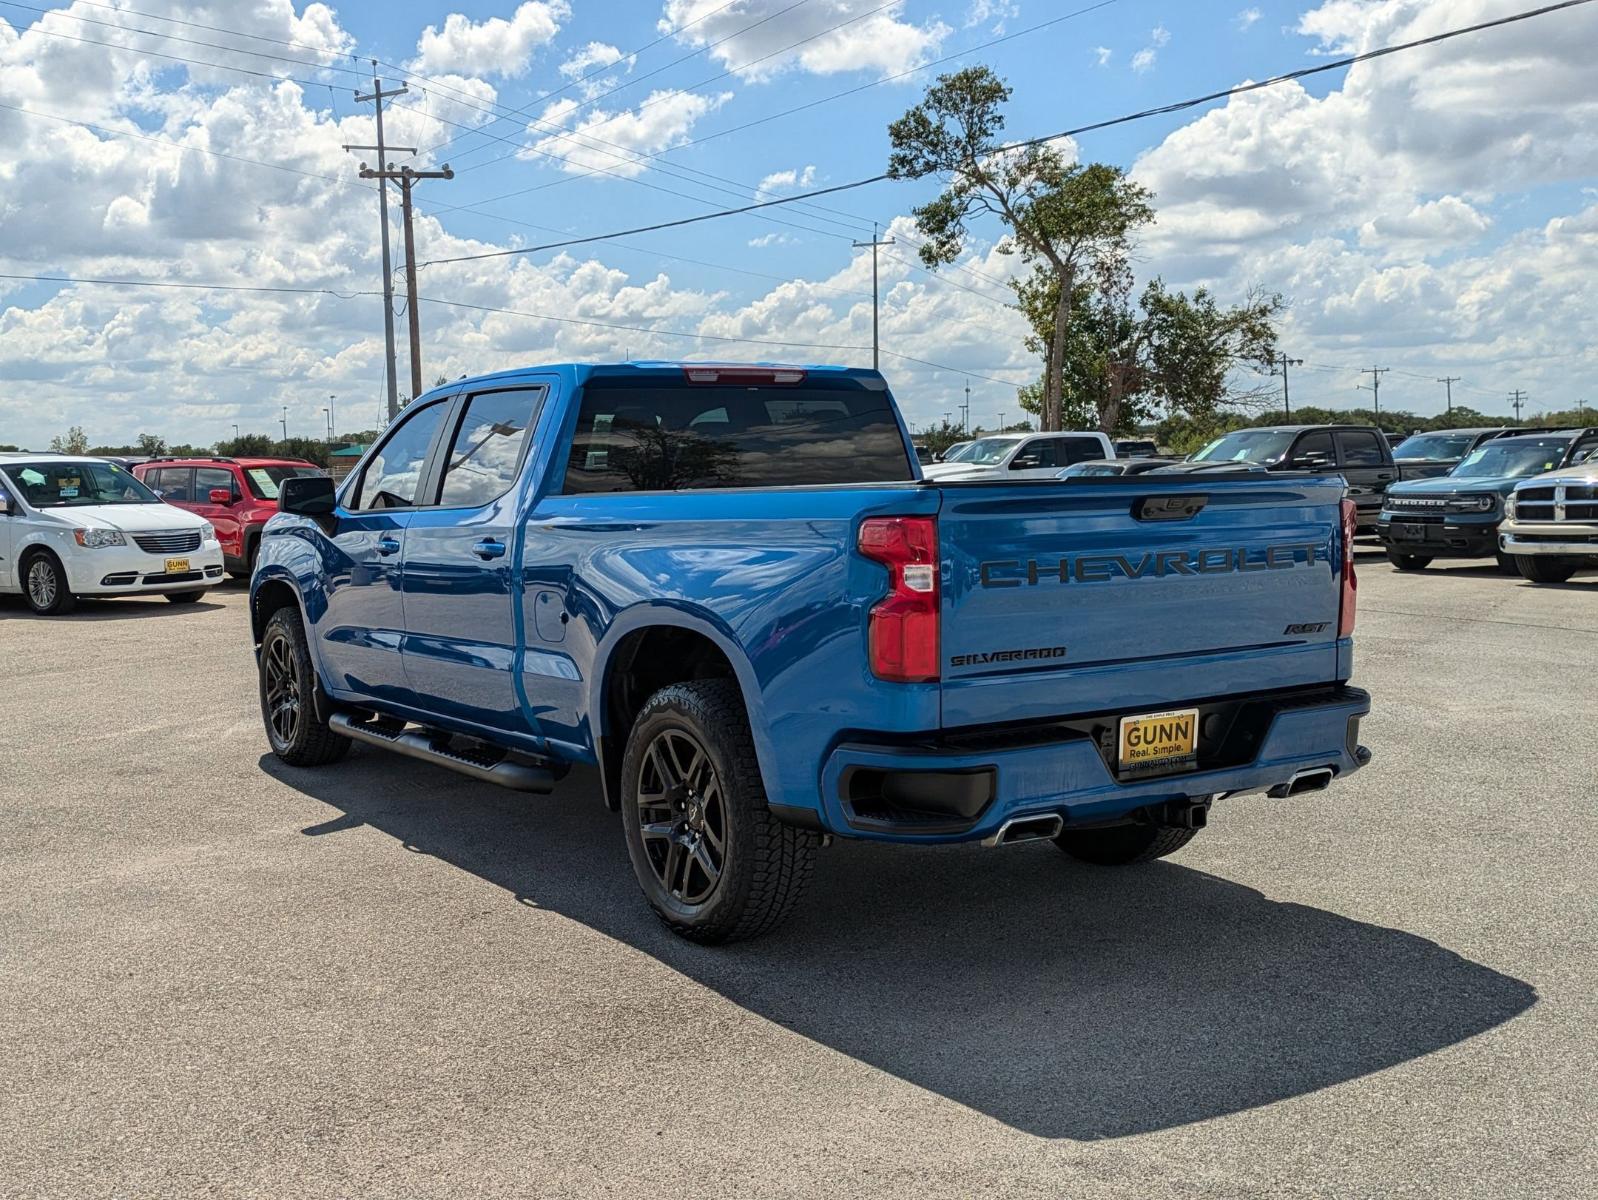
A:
<point x="1161" y="737"/>
<point x="1409" y="531"/>
<point x="177" y="566"/>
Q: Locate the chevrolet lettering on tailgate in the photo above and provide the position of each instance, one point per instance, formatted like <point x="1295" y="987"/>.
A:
<point x="1101" y="568"/>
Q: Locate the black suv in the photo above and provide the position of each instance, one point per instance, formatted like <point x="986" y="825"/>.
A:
<point x="1359" y="452"/>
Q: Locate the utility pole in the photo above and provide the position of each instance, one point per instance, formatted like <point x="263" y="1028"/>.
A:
<point x="1284" y="362"/>
<point x="408" y="179"/>
<point x="379" y="95"/>
<point x="873" y="243"/>
<point x="965" y="410"/>
<point x="285" y="419"/>
<point x="1375" y="388"/>
<point x="235" y="433"/>
<point x="1001" y="420"/>
<point x="1448" y="381"/>
<point x="1517" y="397"/>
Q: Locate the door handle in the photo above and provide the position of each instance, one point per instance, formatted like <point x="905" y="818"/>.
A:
<point x="489" y="548"/>
<point x="387" y="545"/>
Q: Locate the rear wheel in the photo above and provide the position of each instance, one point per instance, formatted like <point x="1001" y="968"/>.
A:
<point x="288" y="696"/>
<point x="184" y="597"/>
<point x="713" y="862"/>
<point x="1409" y="562"/>
<point x="1545" y="568"/>
<point x="1123" y="845"/>
<point x="44" y="583"/>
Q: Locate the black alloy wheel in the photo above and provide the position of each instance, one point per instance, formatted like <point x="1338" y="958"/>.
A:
<point x="682" y="816"/>
<point x="280" y="688"/>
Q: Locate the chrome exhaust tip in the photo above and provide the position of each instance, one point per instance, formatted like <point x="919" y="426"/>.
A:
<point x="1036" y="828"/>
<point x="1311" y="779"/>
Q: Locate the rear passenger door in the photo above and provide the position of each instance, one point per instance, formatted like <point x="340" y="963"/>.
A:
<point x="175" y="485"/>
<point x="1368" y="468"/>
<point x="460" y="577"/>
<point x="1038" y="458"/>
<point x="221" y="514"/>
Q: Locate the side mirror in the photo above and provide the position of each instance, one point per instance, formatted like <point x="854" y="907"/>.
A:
<point x="1026" y="462"/>
<point x="307" y="495"/>
<point x="221" y="495"/>
<point x="1311" y="462"/>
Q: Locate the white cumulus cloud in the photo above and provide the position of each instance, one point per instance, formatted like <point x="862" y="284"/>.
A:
<point x="494" y="46"/>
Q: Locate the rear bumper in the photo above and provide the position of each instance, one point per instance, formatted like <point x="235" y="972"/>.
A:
<point x="953" y="790"/>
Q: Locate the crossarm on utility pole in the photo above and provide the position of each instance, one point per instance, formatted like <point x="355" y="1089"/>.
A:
<point x="407" y="179"/>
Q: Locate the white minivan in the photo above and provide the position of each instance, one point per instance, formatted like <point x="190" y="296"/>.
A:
<point x="71" y="526"/>
<point x="1023" y="456"/>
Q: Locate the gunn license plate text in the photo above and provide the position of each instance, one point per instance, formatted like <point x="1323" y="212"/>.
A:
<point x="1158" y="737"/>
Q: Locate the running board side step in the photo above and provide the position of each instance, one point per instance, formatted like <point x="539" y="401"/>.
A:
<point x="434" y="748"/>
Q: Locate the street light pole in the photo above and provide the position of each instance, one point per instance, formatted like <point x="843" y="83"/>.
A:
<point x="285" y="420"/>
<point x="330" y="417"/>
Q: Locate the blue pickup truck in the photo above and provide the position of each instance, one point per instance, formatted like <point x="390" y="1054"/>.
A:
<point x="729" y="587"/>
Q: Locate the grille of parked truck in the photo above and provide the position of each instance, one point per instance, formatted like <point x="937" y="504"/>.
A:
<point x="732" y="589"/>
<point x="1551" y="526"/>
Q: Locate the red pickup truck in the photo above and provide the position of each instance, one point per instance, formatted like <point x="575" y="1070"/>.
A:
<point x="237" y="495"/>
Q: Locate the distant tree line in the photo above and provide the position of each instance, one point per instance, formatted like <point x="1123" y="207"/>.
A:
<point x="248" y="445"/>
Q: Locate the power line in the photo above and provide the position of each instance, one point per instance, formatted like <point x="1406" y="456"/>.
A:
<point x="1177" y="106"/>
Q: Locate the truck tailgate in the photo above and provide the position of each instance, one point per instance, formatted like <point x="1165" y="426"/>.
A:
<point x="1092" y="595"/>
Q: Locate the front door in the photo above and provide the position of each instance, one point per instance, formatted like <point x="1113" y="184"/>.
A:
<point x="1366" y="467"/>
<point x="223" y="514"/>
<point x="461" y="578"/>
<point x="362" y="625"/>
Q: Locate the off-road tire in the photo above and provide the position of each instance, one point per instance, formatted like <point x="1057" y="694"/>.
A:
<point x="1409" y="562"/>
<point x="51" y="598"/>
<point x="1122" y="845"/>
<point x="765" y="863"/>
<point x="185" y="597"/>
<point x="308" y="741"/>
<point x="1544" y="568"/>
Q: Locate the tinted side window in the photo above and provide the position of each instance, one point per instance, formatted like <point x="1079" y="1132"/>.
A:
<point x="206" y="478"/>
<point x="1314" y="445"/>
<point x="394" y="476"/>
<point x="1360" y="449"/>
<point x="662" y="435"/>
<point x="1584" y="451"/>
<point x="1081" y="449"/>
<point x="174" y="483"/>
<point x="1040" y="452"/>
<point x="487" y="451"/>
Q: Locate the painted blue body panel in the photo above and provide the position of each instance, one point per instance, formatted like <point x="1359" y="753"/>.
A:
<point x="517" y="649"/>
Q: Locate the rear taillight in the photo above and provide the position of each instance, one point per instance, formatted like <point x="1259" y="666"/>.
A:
<point x="1345" y="616"/>
<point x="903" y="636"/>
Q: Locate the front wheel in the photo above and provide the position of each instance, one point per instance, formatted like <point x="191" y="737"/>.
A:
<point x="1122" y="845"/>
<point x="1409" y="562"/>
<point x="288" y="696"/>
<point x="184" y="597"/>
<point x="45" y="585"/>
<point x="1544" y="568"/>
<point x="713" y="862"/>
<point x="1507" y="564"/>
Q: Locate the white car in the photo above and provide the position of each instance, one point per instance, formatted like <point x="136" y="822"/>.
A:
<point x="1022" y="456"/>
<point x="75" y="526"/>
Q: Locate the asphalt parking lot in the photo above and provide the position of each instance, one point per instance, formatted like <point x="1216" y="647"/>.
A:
<point x="221" y="976"/>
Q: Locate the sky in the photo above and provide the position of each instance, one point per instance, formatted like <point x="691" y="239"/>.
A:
<point x="1433" y="212"/>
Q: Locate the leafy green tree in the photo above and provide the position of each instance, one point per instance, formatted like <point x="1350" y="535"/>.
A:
<point x="247" y="445"/>
<point x="938" y="438"/>
<point x="1126" y="362"/>
<point x="1073" y="221"/>
<point x="150" y="445"/>
<point x="74" y="441"/>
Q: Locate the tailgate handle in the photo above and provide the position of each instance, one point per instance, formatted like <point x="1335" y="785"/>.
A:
<point x="1169" y="508"/>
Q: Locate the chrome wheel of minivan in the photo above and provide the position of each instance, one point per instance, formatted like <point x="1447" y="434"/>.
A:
<point x="41" y="583"/>
<point x="682" y="817"/>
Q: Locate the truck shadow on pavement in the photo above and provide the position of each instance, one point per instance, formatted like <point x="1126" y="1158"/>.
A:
<point x="1062" y="1000"/>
